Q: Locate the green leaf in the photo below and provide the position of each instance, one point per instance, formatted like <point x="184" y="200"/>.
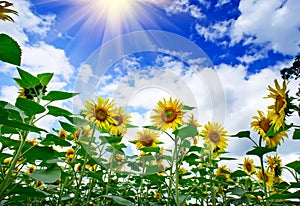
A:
<point x="188" y="131"/>
<point x="120" y="200"/>
<point x="150" y="149"/>
<point x="10" y="50"/>
<point x="294" y="165"/>
<point x="242" y="134"/>
<point x="45" y="78"/>
<point x="57" y="112"/>
<point x="260" y="151"/>
<point x="238" y="173"/>
<point x="51" y="139"/>
<point x="67" y="127"/>
<point x="185" y="107"/>
<point x="29" y="107"/>
<point x="58" y="95"/>
<point x="38" y="153"/>
<point x="19" y="125"/>
<point x="152" y="169"/>
<point x="49" y="175"/>
<point x="191" y="159"/>
<point x="28" y="192"/>
<point x="8" y="142"/>
<point x="28" y="80"/>
<point x="296" y="134"/>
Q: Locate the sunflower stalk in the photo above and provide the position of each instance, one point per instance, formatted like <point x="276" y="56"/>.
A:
<point x="83" y="166"/>
<point x="263" y="173"/>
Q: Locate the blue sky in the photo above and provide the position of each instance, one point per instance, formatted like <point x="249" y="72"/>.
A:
<point x="150" y="49"/>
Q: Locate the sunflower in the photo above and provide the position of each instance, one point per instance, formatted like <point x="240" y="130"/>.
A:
<point x="262" y="125"/>
<point x="249" y="166"/>
<point x="62" y="134"/>
<point x="275" y="165"/>
<point x="168" y="114"/>
<point x="30" y="169"/>
<point x="82" y="132"/>
<point x="224" y="173"/>
<point x="268" y="178"/>
<point x="214" y="136"/>
<point x="146" y="138"/>
<point x="277" y="110"/>
<point x="100" y="113"/>
<point x="118" y="127"/>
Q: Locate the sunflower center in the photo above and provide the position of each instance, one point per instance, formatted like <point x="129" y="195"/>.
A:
<point x="214" y="136"/>
<point x="248" y="167"/>
<point x="101" y="114"/>
<point x="147" y="140"/>
<point x="118" y="120"/>
<point x="265" y="125"/>
<point x="169" y="115"/>
<point x="278" y="103"/>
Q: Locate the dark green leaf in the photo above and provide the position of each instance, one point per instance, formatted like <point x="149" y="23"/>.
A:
<point x="152" y="169"/>
<point x="49" y="175"/>
<point x="45" y="78"/>
<point x="56" y="111"/>
<point x="150" y="149"/>
<point x="10" y="50"/>
<point x="28" y="80"/>
<point x="29" y="107"/>
<point x="54" y="140"/>
<point x="238" y="173"/>
<point x="188" y="131"/>
<point x="67" y="127"/>
<point x="191" y="159"/>
<point x="242" y="134"/>
<point x="294" y="165"/>
<point x="120" y="200"/>
<point x="38" y="153"/>
<point x="28" y="192"/>
<point x="237" y="191"/>
<point x="195" y="149"/>
<point x="19" y="125"/>
<point x="260" y="151"/>
<point x="296" y="134"/>
<point x="58" y="95"/>
<point x="8" y="142"/>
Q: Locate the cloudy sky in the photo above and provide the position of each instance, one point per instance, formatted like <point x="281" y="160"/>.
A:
<point x="218" y="56"/>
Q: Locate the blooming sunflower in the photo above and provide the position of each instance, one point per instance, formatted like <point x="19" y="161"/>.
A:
<point x="275" y="165"/>
<point x="214" y="136"/>
<point x="146" y="138"/>
<point x="249" y="166"/>
<point x="30" y="169"/>
<point x="262" y="125"/>
<point x="268" y="178"/>
<point x="168" y="114"/>
<point x="224" y="173"/>
<point x="118" y="127"/>
<point x="100" y="113"/>
<point x="277" y="110"/>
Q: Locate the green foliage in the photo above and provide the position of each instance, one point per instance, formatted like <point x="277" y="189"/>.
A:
<point x="10" y="50"/>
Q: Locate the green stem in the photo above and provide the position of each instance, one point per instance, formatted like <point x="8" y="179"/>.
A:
<point x="83" y="167"/>
<point x="263" y="173"/>
<point x="212" y="189"/>
<point x="176" y="172"/>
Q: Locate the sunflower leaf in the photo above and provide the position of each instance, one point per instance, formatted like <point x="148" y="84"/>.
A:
<point x="294" y="165"/>
<point x="242" y="134"/>
<point x="185" y="107"/>
<point x="188" y="131"/>
<point x="120" y="200"/>
<point x="48" y="176"/>
<point x="29" y="107"/>
<point x="58" y="112"/>
<point x="296" y="134"/>
<point x="45" y="78"/>
<point x="58" y="95"/>
<point x="27" y="80"/>
<point x="260" y="151"/>
<point x="10" y="50"/>
<point x="67" y="127"/>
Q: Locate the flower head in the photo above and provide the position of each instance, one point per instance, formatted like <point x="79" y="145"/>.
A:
<point x="214" y="136"/>
<point x="249" y="166"/>
<point x="168" y="114"/>
<point x="224" y="173"/>
<point x="275" y="164"/>
<point x="146" y="138"/>
<point x="30" y="169"/>
<point x="262" y="125"/>
<point x="268" y="178"/>
<point x="62" y="134"/>
<point x="121" y="119"/>
<point x="100" y="113"/>
<point x="277" y="110"/>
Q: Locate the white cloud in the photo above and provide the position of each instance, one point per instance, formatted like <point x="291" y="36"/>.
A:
<point x="215" y="31"/>
<point x="184" y="6"/>
<point x="9" y="93"/>
<point x="275" y="24"/>
<point x="222" y="2"/>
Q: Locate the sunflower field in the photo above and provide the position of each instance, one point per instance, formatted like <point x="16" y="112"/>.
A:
<point x="85" y="160"/>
